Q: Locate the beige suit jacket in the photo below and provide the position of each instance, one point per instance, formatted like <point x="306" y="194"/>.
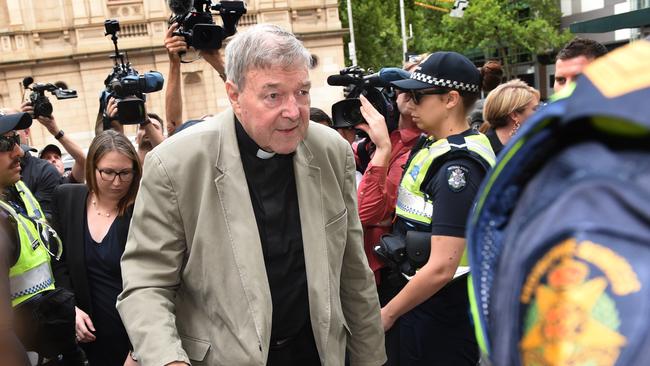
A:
<point x="195" y="285"/>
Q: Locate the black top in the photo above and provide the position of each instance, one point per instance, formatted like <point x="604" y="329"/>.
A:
<point x="69" y="221"/>
<point x="452" y="190"/>
<point x="105" y="283"/>
<point x="104" y="279"/>
<point x="41" y="178"/>
<point x="496" y="144"/>
<point x="272" y="187"/>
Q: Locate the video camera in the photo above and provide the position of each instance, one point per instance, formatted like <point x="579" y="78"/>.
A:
<point x="126" y="85"/>
<point x="38" y="100"/>
<point x="374" y="86"/>
<point x="197" y="26"/>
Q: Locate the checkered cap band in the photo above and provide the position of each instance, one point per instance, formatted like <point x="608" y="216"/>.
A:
<point x="445" y="83"/>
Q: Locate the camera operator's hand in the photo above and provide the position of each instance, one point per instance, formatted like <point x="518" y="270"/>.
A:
<point x="27" y="107"/>
<point x="215" y="59"/>
<point x="111" y="112"/>
<point x="377" y="130"/>
<point x="111" y="108"/>
<point x="49" y="123"/>
<point x="174" y="44"/>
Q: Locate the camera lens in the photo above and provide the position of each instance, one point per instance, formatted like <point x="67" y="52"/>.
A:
<point x="353" y="116"/>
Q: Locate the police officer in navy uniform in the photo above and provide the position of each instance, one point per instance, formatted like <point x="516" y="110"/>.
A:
<point x="435" y="196"/>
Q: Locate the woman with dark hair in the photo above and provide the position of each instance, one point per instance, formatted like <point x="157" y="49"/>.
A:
<point x="438" y="187"/>
<point x="93" y="220"/>
<point x="491" y="76"/>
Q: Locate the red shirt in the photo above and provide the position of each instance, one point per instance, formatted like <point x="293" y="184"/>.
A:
<point x="377" y="194"/>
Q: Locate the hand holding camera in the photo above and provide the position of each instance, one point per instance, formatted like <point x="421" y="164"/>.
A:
<point x="174" y="44"/>
<point x="375" y="125"/>
<point x="196" y="25"/>
<point x="40" y="104"/>
<point x="126" y="86"/>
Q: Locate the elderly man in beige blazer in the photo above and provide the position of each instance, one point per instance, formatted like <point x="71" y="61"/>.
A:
<point x="197" y="284"/>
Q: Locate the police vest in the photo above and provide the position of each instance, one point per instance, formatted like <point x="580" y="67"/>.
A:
<point x="32" y="273"/>
<point x="412" y="204"/>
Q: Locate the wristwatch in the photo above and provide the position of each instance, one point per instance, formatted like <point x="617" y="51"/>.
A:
<point x="59" y="135"/>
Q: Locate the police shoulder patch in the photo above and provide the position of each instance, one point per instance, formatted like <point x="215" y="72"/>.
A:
<point x="457" y="177"/>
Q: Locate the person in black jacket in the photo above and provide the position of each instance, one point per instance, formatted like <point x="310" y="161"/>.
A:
<point x="93" y="222"/>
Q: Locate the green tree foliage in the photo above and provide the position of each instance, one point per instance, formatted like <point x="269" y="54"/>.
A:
<point x="503" y="29"/>
<point x="376" y="31"/>
<point x="495" y="28"/>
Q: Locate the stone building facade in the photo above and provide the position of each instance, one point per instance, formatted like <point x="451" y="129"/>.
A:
<point x="58" y="41"/>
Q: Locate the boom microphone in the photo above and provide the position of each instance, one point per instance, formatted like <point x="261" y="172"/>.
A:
<point x="180" y="6"/>
<point x="342" y="80"/>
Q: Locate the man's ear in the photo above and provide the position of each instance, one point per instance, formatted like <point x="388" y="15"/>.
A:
<point x="233" y="93"/>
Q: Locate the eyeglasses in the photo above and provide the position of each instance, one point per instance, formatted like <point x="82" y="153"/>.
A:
<point x="417" y="95"/>
<point x="109" y="175"/>
<point x="7" y="143"/>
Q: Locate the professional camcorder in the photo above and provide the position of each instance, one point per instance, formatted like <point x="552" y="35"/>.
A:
<point x="126" y="85"/>
<point x="197" y="26"/>
<point x="374" y="86"/>
<point x="38" y="100"/>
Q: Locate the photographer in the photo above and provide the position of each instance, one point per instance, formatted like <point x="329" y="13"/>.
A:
<point x="149" y="135"/>
<point x="176" y="45"/>
<point x="377" y="193"/>
<point x="78" y="168"/>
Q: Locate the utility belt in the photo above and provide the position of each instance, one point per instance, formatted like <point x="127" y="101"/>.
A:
<point x="406" y="254"/>
<point x="46" y="322"/>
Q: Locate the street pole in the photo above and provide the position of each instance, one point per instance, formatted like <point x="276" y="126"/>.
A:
<point x="352" y="49"/>
<point x="404" y="39"/>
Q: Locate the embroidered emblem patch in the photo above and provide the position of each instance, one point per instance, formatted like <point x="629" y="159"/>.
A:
<point x="456" y="178"/>
<point x="571" y="315"/>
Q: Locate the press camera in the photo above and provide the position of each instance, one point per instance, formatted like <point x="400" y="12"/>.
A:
<point x="197" y="26"/>
<point x="39" y="101"/>
<point x="125" y="85"/>
<point x="374" y="86"/>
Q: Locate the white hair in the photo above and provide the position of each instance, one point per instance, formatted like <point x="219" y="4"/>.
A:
<point x="260" y="47"/>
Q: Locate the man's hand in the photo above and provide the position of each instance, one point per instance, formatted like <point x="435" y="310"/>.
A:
<point x="49" y="123"/>
<point x="174" y="44"/>
<point x="376" y="127"/>
<point x="111" y="108"/>
<point x="377" y="131"/>
<point x="27" y="107"/>
<point x="83" y="326"/>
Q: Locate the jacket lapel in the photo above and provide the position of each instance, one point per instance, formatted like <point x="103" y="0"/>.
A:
<point x="308" y="186"/>
<point x="243" y="236"/>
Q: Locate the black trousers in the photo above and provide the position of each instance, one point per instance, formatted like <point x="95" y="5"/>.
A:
<point x="439" y="331"/>
<point x="299" y="350"/>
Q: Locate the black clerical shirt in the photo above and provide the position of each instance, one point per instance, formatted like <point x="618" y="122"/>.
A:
<point x="272" y="186"/>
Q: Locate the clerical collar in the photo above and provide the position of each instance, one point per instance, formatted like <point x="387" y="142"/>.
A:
<point x="248" y="146"/>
